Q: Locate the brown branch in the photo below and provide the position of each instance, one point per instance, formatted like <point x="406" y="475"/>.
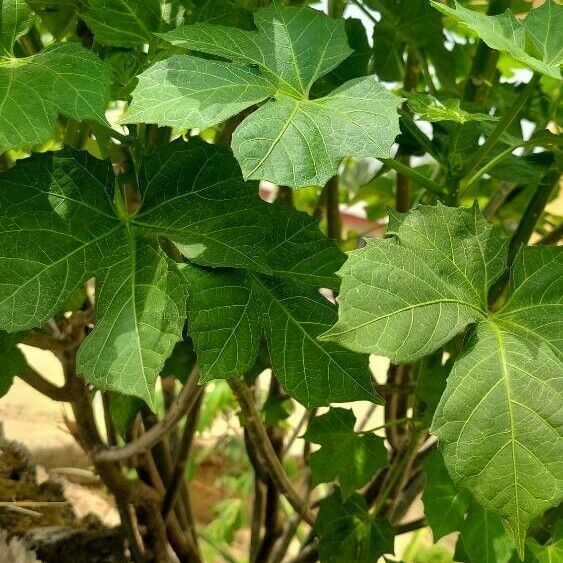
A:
<point x="178" y="473"/>
<point x="45" y="387"/>
<point x="189" y="395"/>
<point x="260" y="439"/>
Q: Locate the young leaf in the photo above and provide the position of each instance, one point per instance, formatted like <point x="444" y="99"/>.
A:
<point x="345" y="455"/>
<point x="291" y="140"/>
<point x="497" y="423"/>
<point x="444" y="503"/>
<point x="406" y="295"/>
<point x="12" y="361"/>
<point x="431" y="108"/>
<point x="531" y="41"/>
<point x="484" y="538"/>
<point x="348" y="532"/>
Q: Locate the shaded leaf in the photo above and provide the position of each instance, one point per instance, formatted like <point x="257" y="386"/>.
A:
<point x="409" y="22"/>
<point x="223" y="321"/>
<point x="348" y="532"/>
<point x="140" y="295"/>
<point x="345" y="455"/>
<point x="444" y="503"/>
<point x="484" y="538"/>
<point x="315" y="373"/>
<point x="125" y="23"/>
<point x="12" y="361"/>
<point x="15" y="20"/>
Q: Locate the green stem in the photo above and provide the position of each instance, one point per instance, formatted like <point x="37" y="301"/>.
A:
<point x="502" y="126"/>
<point x="419" y="136"/>
<point x="415" y="176"/>
<point x="524" y="231"/>
<point x="469" y="180"/>
<point x="485" y="61"/>
<point x="395" y="473"/>
<point x="532" y="213"/>
<point x="333" y="219"/>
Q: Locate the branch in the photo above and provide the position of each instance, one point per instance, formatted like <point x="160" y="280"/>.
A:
<point x="553" y="237"/>
<point x="45" y="387"/>
<point x="177" y="478"/>
<point x="505" y="122"/>
<point x="190" y="394"/>
<point x="264" y="448"/>
<point x="415" y="176"/>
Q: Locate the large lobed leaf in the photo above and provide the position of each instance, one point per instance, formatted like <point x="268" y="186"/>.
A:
<point x="536" y="41"/>
<point x="407" y="294"/>
<point x="292" y="139"/>
<point x="194" y="195"/>
<point x="500" y="419"/>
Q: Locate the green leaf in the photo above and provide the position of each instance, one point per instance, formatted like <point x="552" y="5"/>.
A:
<point x="140" y="294"/>
<point x="408" y="294"/>
<point x="194" y="194"/>
<point x="348" y="532"/>
<point x="431" y="108"/>
<point x="12" y="361"/>
<point x="444" y="503"/>
<point x="345" y="455"/>
<point x="547" y="553"/>
<point x="223" y="320"/>
<point x="484" y="538"/>
<point x="124" y="23"/>
<point x="292" y="139"/>
<point x="531" y="41"/>
<point x="140" y="311"/>
<point x="358" y="119"/>
<point x="196" y="92"/>
<point x="15" y="20"/>
<point x="315" y="373"/>
<point x="498" y="421"/>
<point x="181" y="362"/>
<point x="64" y="79"/>
<point x="497" y="425"/>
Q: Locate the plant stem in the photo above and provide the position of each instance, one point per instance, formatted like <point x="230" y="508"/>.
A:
<point x="502" y="126"/>
<point x="45" y="387"/>
<point x="188" y="397"/>
<point x="532" y="213"/>
<point x="333" y="219"/>
<point x="553" y="237"/>
<point x="415" y="176"/>
<point x="524" y="231"/>
<point x="485" y="61"/>
<point x="261" y="441"/>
